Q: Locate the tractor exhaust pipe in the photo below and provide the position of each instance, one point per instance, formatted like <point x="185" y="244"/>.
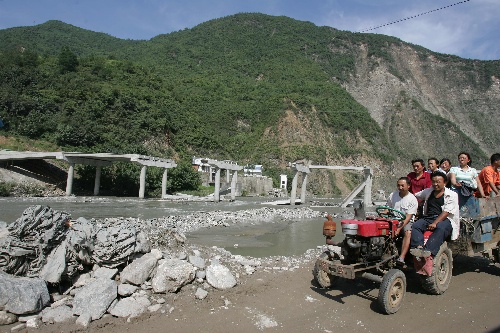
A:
<point x="353" y="244"/>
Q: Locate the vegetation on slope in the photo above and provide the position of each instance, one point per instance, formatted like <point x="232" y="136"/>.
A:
<point x="218" y="90"/>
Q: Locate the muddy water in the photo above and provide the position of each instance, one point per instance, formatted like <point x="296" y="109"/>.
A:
<point x="255" y="239"/>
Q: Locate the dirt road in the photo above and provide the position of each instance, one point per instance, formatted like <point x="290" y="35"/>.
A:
<point x="273" y="300"/>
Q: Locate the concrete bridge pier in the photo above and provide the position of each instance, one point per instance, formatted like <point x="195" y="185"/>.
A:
<point x="69" y="181"/>
<point x="304" y="170"/>
<point x="217" y="185"/>
<point x="234" y="180"/>
<point x="367" y="197"/>
<point x="293" y="193"/>
<point x="164" y="183"/>
<point x="142" y="182"/>
<point x="228" y="166"/>
<point x="303" y="188"/>
<point x="97" y="182"/>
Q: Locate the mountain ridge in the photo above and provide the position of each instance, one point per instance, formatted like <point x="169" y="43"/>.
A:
<point x="259" y="89"/>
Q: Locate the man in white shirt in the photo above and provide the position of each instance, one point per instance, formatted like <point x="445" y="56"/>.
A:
<point x="407" y="203"/>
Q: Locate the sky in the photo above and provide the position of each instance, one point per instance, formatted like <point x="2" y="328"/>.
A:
<point x="469" y="29"/>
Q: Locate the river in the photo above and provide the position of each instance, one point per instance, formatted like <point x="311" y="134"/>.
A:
<point x="254" y="239"/>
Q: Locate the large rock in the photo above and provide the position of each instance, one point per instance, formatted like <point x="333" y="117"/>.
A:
<point x="220" y="277"/>
<point x="95" y="298"/>
<point x="21" y="295"/>
<point x="171" y="275"/>
<point x="57" y="315"/>
<point x="140" y="269"/>
<point x="130" y="307"/>
<point x="55" y="265"/>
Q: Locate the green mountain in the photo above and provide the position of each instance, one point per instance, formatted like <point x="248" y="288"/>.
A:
<point x="252" y="88"/>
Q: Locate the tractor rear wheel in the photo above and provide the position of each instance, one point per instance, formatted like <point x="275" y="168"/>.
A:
<point x="324" y="279"/>
<point x="442" y="266"/>
<point x="392" y="291"/>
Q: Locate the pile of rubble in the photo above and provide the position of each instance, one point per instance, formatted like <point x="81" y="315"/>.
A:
<point x="55" y="269"/>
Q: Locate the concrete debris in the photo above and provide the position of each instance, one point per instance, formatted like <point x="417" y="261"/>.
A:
<point x="84" y="320"/>
<point x="18" y="328"/>
<point x="220" y="277"/>
<point x="48" y="244"/>
<point x="139" y="270"/>
<point x="154" y="308"/>
<point x="197" y="261"/>
<point x="33" y="322"/>
<point x="105" y="273"/>
<point x="95" y="298"/>
<point x="201" y="293"/>
<point x="62" y="301"/>
<point x="24" y="319"/>
<point x="171" y="275"/>
<point x="249" y="270"/>
<point x="128" y="307"/>
<point x="7" y="318"/>
<point x="22" y="295"/>
<point x="30" y="240"/>
<point x="57" y="315"/>
<point x="126" y="289"/>
<point x="92" y="254"/>
<point x="201" y="274"/>
<point x="82" y="280"/>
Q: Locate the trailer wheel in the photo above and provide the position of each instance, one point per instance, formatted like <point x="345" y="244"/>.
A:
<point x="324" y="279"/>
<point x="392" y="291"/>
<point x="442" y="267"/>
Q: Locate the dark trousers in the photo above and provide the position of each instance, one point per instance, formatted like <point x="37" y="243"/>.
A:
<point x="439" y="235"/>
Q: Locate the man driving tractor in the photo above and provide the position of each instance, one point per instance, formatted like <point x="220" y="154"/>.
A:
<point x="405" y="202"/>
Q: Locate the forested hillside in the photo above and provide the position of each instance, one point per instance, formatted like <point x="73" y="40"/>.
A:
<point x="250" y="87"/>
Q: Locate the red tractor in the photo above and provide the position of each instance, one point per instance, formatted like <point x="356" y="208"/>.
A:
<point x="370" y="250"/>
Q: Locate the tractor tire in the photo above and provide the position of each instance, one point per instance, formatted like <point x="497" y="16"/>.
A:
<point x="442" y="267"/>
<point x="324" y="279"/>
<point x="392" y="291"/>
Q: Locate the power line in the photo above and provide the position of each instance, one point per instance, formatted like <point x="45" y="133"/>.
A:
<point x="414" y="16"/>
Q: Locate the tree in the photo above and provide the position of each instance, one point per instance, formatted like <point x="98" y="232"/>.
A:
<point x="183" y="177"/>
<point x="67" y="60"/>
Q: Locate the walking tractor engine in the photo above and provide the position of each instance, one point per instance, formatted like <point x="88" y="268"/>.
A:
<point x="369" y="251"/>
<point x="367" y="240"/>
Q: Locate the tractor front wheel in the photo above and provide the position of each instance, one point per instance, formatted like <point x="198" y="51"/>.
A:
<point x="324" y="279"/>
<point x="392" y="291"/>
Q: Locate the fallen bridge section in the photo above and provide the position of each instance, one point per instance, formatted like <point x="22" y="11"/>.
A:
<point x="365" y="185"/>
<point x="98" y="160"/>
